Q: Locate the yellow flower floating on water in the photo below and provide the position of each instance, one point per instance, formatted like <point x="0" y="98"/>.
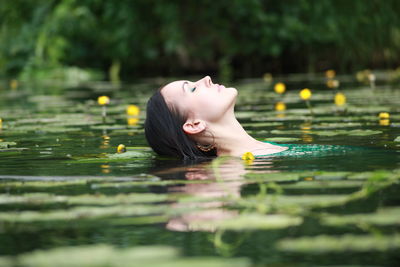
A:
<point x="280" y="88"/>
<point x="121" y="148"/>
<point x="280" y="106"/>
<point x="132" y="110"/>
<point x="267" y="77"/>
<point x="384" y="119"/>
<point x="330" y="74"/>
<point x="248" y="156"/>
<point x="14" y="84"/>
<point x="103" y="100"/>
<point x="332" y="83"/>
<point x="305" y="94"/>
<point x="384" y="122"/>
<point x="340" y="99"/>
<point x="371" y="77"/>
<point x="105" y="168"/>
<point x="132" y="121"/>
<point x="384" y="115"/>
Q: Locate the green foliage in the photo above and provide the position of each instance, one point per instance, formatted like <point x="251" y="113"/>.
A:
<point x="231" y="37"/>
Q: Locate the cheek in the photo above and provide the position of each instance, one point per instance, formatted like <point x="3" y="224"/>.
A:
<point x="214" y="107"/>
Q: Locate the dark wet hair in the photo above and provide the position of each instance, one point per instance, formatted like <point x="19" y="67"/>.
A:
<point x="164" y="132"/>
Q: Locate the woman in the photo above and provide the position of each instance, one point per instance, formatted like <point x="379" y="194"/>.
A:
<point x="194" y="120"/>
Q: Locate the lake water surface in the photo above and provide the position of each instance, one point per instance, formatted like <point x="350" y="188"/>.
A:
<point x="66" y="196"/>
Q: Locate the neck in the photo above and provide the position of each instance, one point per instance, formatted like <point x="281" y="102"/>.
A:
<point x="231" y="139"/>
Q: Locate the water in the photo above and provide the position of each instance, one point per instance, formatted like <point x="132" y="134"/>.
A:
<point x="63" y="186"/>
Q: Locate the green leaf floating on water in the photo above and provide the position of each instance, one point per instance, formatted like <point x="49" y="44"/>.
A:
<point x="345" y="243"/>
<point x="261" y="124"/>
<point x="255" y="221"/>
<point x="384" y="216"/>
<point x="336" y="125"/>
<point x="6" y="149"/>
<point x="130" y="154"/>
<point x="109" y="127"/>
<point x="43" y="128"/>
<point x="82" y="213"/>
<point x="127" y="156"/>
<point x="397" y="139"/>
<point x="294" y="203"/>
<point x="272" y="177"/>
<point x="97" y="200"/>
<point x="363" y="132"/>
<point x="324" y="184"/>
<point x="106" y="255"/>
<point x="7" y="144"/>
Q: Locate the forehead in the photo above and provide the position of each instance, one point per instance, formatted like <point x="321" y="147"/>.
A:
<point x="172" y="90"/>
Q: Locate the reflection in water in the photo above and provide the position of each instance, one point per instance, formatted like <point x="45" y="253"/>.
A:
<point x="221" y="179"/>
<point x="105" y="142"/>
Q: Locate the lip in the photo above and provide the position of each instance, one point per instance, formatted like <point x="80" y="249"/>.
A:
<point x="220" y="87"/>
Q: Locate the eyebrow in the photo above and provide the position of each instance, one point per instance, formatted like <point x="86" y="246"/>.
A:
<point x="183" y="86"/>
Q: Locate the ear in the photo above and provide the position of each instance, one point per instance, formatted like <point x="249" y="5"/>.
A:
<point x="194" y="126"/>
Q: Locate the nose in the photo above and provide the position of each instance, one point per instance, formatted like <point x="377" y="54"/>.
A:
<point x="207" y="81"/>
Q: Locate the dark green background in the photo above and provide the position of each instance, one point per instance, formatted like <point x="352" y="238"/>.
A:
<point x="232" y="39"/>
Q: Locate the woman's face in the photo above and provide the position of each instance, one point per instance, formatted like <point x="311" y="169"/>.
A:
<point x="201" y="99"/>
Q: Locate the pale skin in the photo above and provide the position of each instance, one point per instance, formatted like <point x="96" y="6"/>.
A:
<point x="210" y="112"/>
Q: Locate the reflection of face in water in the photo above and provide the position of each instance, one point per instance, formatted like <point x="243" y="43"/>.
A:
<point x="218" y="182"/>
<point x="210" y="186"/>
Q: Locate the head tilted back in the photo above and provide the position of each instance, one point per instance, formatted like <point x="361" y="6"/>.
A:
<point x="164" y="132"/>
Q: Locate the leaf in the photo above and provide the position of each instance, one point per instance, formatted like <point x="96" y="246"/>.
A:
<point x="246" y="222"/>
<point x="273" y="177"/>
<point x="105" y="255"/>
<point x="7" y="144"/>
<point x="346" y="243"/>
<point x="384" y="216"/>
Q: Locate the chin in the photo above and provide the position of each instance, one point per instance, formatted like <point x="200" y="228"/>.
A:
<point x="234" y="96"/>
<point x="235" y="92"/>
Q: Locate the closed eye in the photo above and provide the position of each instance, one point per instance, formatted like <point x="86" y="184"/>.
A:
<point x="186" y="87"/>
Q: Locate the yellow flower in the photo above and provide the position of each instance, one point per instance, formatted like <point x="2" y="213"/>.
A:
<point x="280" y="106"/>
<point x="103" y="100"/>
<point x="305" y="94"/>
<point x="133" y="110"/>
<point x="14" y="84"/>
<point x="363" y="75"/>
<point x="280" y="88"/>
<point x="340" y="99"/>
<point x="267" y="77"/>
<point x="121" y="148"/>
<point x="384" y="115"/>
<point x="1" y="123"/>
<point x="105" y="168"/>
<point x="332" y="83"/>
<point x="371" y="77"/>
<point x="307" y="138"/>
<point x="330" y="74"/>
<point x="132" y="121"/>
<point x="384" y="122"/>
<point x="248" y="156"/>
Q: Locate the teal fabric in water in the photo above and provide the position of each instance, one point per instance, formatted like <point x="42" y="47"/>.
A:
<point x="301" y="150"/>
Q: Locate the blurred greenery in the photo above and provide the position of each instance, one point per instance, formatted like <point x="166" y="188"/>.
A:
<point x="92" y="39"/>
